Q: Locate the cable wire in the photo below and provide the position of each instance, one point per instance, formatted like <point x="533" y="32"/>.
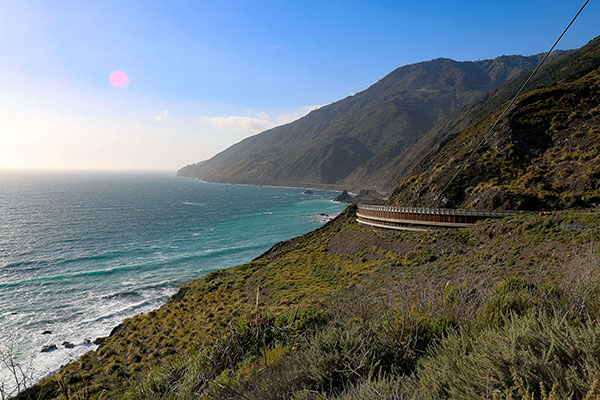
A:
<point x="438" y="196"/>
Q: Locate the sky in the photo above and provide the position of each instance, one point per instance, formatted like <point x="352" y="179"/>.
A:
<point x="156" y="85"/>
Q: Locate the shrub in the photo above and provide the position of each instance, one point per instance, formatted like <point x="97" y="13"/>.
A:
<point x="527" y="357"/>
<point x="183" y="379"/>
<point x="244" y="339"/>
<point x="302" y="321"/>
<point x="337" y="357"/>
<point x="512" y="296"/>
<point x="405" y="336"/>
<point x="388" y="388"/>
<point x="273" y="377"/>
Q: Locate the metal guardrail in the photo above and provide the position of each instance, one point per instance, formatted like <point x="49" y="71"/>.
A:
<point x="440" y="211"/>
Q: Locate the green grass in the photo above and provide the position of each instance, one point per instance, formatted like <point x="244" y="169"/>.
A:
<point x="344" y="276"/>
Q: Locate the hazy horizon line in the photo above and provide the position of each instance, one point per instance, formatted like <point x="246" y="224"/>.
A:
<point x="99" y="170"/>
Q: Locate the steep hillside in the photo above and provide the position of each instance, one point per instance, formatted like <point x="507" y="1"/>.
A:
<point x="562" y="68"/>
<point x="358" y="142"/>
<point x="343" y="272"/>
<point x="544" y="154"/>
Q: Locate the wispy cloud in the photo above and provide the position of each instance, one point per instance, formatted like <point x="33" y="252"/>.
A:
<point x="237" y="124"/>
<point x="275" y="47"/>
<point x="162" y="116"/>
<point x="242" y="126"/>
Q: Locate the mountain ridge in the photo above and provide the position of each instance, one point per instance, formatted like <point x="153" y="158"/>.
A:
<point x="343" y="144"/>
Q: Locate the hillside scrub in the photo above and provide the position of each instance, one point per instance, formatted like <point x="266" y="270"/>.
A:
<point x="340" y="307"/>
<point x="543" y="154"/>
<point x="532" y="348"/>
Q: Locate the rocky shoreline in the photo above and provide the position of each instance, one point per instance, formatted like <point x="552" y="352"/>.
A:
<point x="364" y="196"/>
<point x="69" y="345"/>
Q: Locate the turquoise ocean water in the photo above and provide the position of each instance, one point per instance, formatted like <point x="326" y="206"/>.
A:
<point x="80" y="252"/>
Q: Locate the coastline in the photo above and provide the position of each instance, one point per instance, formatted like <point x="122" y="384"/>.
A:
<point x="72" y="356"/>
<point x="326" y="268"/>
<point x="324" y="187"/>
<point x="269" y="186"/>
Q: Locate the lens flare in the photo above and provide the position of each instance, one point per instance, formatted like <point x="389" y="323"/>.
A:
<point x="119" y="80"/>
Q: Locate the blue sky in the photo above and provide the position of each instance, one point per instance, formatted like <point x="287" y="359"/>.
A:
<point x="205" y="74"/>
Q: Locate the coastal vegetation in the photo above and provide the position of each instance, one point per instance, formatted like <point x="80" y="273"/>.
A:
<point x="346" y="311"/>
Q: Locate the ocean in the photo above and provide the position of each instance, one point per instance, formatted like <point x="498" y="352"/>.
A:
<point x="81" y="251"/>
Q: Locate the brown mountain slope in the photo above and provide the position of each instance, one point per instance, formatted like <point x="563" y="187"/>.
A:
<point x="359" y="141"/>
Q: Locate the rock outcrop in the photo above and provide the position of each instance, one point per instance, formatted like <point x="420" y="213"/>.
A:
<point x="48" y="348"/>
<point x="344" y="197"/>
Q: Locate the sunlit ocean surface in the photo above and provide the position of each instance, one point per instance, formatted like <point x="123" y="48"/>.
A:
<point x="80" y="252"/>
